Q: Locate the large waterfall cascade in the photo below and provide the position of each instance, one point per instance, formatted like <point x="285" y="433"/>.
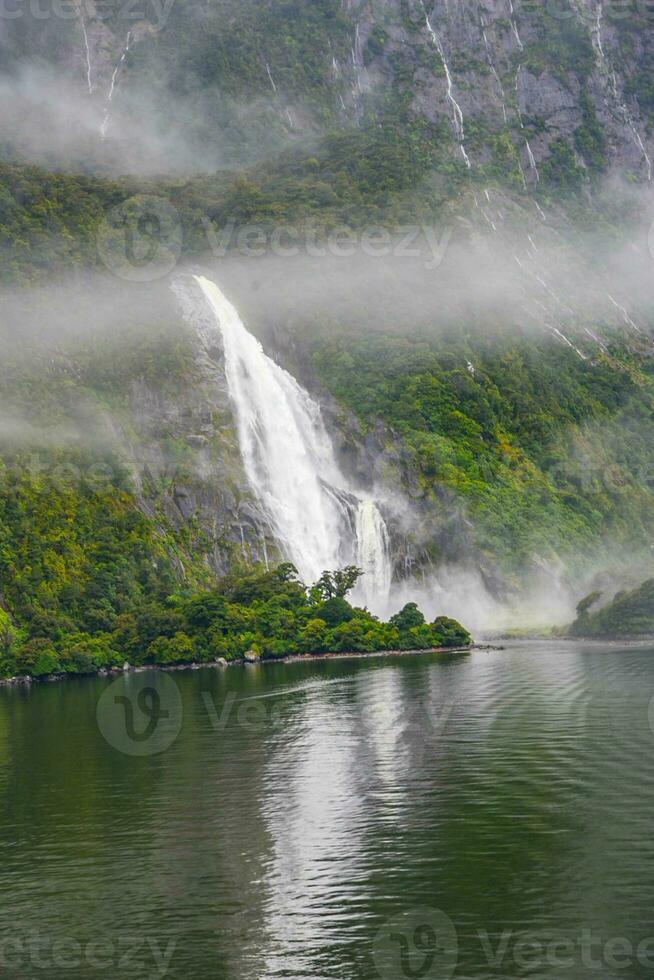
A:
<point x="320" y="521"/>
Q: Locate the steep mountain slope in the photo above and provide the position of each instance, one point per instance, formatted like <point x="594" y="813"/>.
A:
<point x="522" y="86"/>
<point x="486" y="369"/>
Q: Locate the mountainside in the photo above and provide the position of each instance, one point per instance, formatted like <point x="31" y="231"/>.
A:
<point x="512" y="87"/>
<point x="435" y="218"/>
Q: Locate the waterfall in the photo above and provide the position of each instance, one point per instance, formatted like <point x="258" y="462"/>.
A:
<point x="457" y="113"/>
<point x="514" y="27"/>
<point x="522" y="174"/>
<point x="517" y="96"/>
<point x="361" y="85"/>
<point x="271" y="79"/>
<point x="493" y="69"/>
<point x="609" y="76"/>
<point x="356" y="58"/>
<point x="597" y="32"/>
<point x="372" y="553"/>
<point x="530" y="156"/>
<point x="532" y="161"/>
<point x="112" y="86"/>
<point x="627" y="319"/>
<point x="87" y="51"/>
<point x="320" y="522"/>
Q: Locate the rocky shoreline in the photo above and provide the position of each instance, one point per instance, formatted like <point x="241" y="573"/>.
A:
<point x="247" y="661"/>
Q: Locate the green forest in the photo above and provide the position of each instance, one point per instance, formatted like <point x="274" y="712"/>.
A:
<point x="630" y="613"/>
<point x="512" y="448"/>
<point x="84" y="610"/>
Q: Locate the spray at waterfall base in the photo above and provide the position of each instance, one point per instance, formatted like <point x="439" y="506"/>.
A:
<point x="318" y="516"/>
<point x="319" y="519"/>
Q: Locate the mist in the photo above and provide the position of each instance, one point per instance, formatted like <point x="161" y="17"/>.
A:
<point x="47" y="118"/>
<point x="581" y="292"/>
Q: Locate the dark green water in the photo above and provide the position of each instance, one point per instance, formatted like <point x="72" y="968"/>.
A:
<point x="472" y="815"/>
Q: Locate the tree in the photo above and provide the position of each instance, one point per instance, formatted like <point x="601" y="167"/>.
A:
<point x="587" y="602"/>
<point x="313" y="635"/>
<point x="408" y="618"/>
<point x="167" y="650"/>
<point x="334" y="611"/>
<point x="338" y="583"/>
<point x="448" y="632"/>
<point x="205" y="610"/>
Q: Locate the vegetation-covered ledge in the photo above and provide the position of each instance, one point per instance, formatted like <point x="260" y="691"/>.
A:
<point x="252" y="614"/>
<point x="627" y="615"/>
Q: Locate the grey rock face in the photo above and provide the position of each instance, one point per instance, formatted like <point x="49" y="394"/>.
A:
<point x="473" y="68"/>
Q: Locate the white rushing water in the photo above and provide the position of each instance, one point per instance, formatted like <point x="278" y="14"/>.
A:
<point x="530" y="155"/>
<point x="608" y="74"/>
<point x="597" y="32"/>
<point x="532" y="161"/>
<point x="373" y="549"/>
<point x="320" y="522"/>
<point x="625" y="315"/>
<point x="457" y="113"/>
<point x="87" y="50"/>
<point x="517" y="96"/>
<point x="493" y="69"/>
<point x="273" y="84"/>
<point x="361" y="81"/>
<point x="514" y="27"/>
<point x="357" y="58"/>
<point x="112" y="85"/>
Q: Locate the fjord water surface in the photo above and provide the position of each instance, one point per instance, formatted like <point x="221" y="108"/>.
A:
<point x="303" y="808"/>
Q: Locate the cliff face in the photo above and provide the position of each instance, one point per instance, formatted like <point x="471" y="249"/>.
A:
<point x="185" y="460"/>
<point x="517" y="95"/>
<point x="541" y="72"/>
<point x="551" y="81"/>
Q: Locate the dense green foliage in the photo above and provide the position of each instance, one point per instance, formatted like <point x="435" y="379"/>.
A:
<point x="550" y="453"/>
<point x="534" y="454"/>
<point x="627" y="614"/>
<point x="563" y="42"/>
<point x="76" y="611"/>
<point x="378" y="160"/>
<point x="49" y="223"/>
<point x="590" y="139"/>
